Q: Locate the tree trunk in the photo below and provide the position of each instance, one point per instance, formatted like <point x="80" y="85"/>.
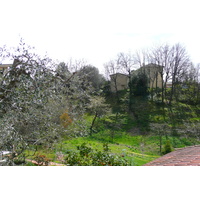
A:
<point x="93" y="121"/>
<point x="160" y="143"/>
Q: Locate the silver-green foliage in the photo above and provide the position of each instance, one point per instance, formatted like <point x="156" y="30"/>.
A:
<point x="33" y="95"/>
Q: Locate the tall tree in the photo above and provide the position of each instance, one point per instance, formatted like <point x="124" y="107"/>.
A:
<point x="32" y="98"/>
<point x="174" y="61"/>
<point x="112" y="70"/>
<point x="127" y="64"/>
<point x="179" y="65"/>
<point x="92" y="75"/>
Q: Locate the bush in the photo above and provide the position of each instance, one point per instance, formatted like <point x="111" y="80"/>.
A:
<point x="41" y="160"/>
<point x="19" y="161"/>
<point x="86" y="156"/>
<point x="65" y="119"/>
<point x="167" y="147"/>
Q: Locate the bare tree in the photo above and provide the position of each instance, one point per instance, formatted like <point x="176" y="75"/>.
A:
<point x="120" y="71"/>
<point x="174" y="62"/>
<point x="159" y="55"/>
<point x="74" y="65"/>
<point x="149" y="62"/>
<point x="198" y="83"/>
<point x="190" y="84"/>
<point x="111" y="68"/>
<point x="179" y="65"/>
<point x="126" y="62"/>
<point x="141" y="57"/>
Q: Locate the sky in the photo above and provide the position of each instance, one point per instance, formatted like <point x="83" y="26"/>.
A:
<point x="97" y="30"/>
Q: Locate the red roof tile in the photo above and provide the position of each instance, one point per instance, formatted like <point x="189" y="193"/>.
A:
<point x="188" y="156"/>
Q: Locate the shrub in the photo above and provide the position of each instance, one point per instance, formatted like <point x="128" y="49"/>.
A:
<point x="167" y="147"/>
<point x="41" y="160"/>
<point x="65" y="119"/>
<point x="19" y="161"/>
<point x="86" y="156"/>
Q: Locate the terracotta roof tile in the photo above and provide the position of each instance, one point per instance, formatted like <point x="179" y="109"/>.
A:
<point x="188" y="156"/>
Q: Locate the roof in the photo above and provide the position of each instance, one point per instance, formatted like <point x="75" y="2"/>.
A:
<point x="188" y="156"/>
<point x="152" y="65"/>
<point x="5" y="66"/>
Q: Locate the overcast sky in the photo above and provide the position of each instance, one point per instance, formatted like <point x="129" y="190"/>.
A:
<point x="98" y="30"/>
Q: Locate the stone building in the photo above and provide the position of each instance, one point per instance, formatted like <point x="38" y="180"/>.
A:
<point x="4" y="67"/>
<point x="153" y="72"/>
<point x="120" y="81"/>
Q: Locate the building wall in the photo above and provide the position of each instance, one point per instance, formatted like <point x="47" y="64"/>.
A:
<point x="4" y="67"/>
<point x="153" y="73"/>
<point x="118" y="82"/>
<point x="168" y="85"/>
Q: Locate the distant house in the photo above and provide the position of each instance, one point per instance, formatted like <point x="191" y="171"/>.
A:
<point x="153" y="73"/>
<point x="169" y="85"/>
<point x="120" y="81"/>
<point x="4" y="67"/>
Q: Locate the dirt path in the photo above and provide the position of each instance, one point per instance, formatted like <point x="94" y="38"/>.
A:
<point x="50" y="163"/>
<point x="188" y="156"/>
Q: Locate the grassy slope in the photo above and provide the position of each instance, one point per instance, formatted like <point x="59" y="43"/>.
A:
<point x="124" y="140"/>
<point x="135" y="156"/>
<point x="141" y="149"/>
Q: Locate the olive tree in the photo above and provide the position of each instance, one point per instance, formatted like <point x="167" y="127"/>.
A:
<point x="92" y="76"/>
<point x="33" y="95"/>
<point x="98" y="108"/>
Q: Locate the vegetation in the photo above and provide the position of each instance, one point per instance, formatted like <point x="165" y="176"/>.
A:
<point x="65" y="112"/>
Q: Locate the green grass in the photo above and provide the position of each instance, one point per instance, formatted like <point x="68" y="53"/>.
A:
<point x="126" y="142"/>
<point x="138" y="150"/>
<point x="134" y="155"/>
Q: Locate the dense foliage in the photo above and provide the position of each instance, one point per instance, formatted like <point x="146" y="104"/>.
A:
<point x="88" y="156"/>
<point x="44" y="104"/>
<point x="39" y="100"/>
